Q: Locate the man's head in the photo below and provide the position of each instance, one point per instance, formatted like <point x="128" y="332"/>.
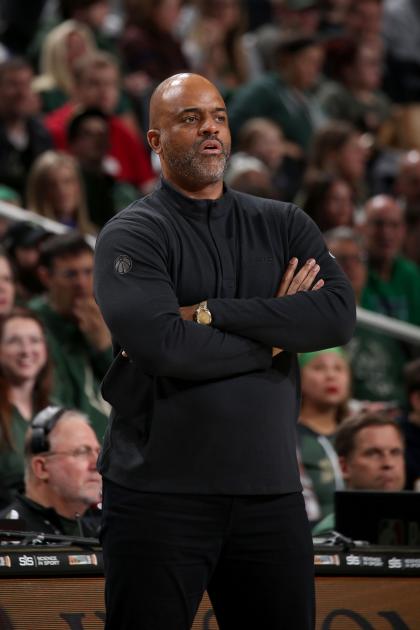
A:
<point x="346" y="245"/>
<point x="407" y="184"/>
<point x="66" y="268"/>
<point x="90" y="12"/>
<point x="370" y="448"/>
<point x="189" y="132"/>
<point x="384" y="228"/>
<point x="88" y="135"/>
<point x="61" y="450"/>
<point x="299" y="61"/>
<point x="16" y="96"/>
<point x="97" y="82"/>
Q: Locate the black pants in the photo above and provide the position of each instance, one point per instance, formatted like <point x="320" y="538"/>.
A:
<point x="253" y="554"/>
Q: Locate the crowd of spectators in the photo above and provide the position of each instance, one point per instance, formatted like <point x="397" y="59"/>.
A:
<point x="323" y="98"/>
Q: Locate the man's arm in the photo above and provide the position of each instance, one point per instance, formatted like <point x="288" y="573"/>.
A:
<point x="139" y="305"/>
<point x="304" y="321"/>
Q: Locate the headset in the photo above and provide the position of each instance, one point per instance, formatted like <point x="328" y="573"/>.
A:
<point x="42" y="425"/>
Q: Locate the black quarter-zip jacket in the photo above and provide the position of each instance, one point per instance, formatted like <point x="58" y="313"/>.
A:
<point x="205" y="409"/>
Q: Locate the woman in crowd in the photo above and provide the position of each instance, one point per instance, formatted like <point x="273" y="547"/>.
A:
<point x="62" y="48"/>
<point x="25" y="387"/>
<point x="7" y="285"/>
<point x="325" y="379"/>
<point x="328" y="200"/>
<point x="339" y="149"/>
<point x="55" y="191"/>
<point x="214" y="44"/>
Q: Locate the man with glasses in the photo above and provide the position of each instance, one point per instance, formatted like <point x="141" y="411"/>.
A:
<point x="62" y="485"/>
<point x="78" y="338"/>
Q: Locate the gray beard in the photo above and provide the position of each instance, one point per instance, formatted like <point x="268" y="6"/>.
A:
<point x="202" y="169"/>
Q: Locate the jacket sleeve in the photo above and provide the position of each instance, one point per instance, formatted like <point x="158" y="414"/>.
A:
<point x="139" y="305"/>
<point x="306" y="321"/>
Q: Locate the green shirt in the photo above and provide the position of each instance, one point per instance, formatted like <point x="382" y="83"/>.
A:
<point x="78" y="367"/>
<point x="397" y="297"/>
<point x="320" y="462"/>
<point x="270" y="97"/>
<point x="12" y="463"/>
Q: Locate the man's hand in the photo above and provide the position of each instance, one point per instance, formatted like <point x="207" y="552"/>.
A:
<point x="91" y="323"/>
<point x="293" y="282"/>
<point x="290" y="284"/>
<point x="302" y="281"/>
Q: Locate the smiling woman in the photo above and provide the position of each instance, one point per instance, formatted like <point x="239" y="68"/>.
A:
<point x="25" y="386"/>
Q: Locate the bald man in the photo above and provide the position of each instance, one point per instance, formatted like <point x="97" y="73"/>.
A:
<point x="202" y="288"/>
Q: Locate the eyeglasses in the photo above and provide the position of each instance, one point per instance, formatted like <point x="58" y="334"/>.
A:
<point x="81" y="452"/>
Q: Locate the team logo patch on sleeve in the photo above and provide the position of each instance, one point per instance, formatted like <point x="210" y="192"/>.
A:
<point x="123" y="264"/>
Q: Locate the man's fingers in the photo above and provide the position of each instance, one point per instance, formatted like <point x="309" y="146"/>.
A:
<point x="308" y="281"/>
<point x="301" y="276"/>
<point x="287" y="278"/>
<point x="318" y="285"/>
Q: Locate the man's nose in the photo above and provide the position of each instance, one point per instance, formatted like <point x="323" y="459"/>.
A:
<point x="209" y="126"/>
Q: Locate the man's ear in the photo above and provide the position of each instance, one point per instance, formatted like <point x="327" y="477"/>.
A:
<point x="39" y="469"/>
<point x="344" y="467"/>
<point x="153" y="138"/>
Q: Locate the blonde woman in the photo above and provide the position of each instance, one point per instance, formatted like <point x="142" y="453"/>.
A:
<point x="55" y="191"/>
<point x="62" y="48"/>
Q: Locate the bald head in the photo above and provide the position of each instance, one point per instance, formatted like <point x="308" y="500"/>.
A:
<point x="190" y="134"/>
<point x="171" y="88"/>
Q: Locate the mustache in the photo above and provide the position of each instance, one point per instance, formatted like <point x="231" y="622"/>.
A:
<point x="210" y="138"/>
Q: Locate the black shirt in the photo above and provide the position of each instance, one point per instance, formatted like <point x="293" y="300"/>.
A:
<point x="200" y="409"/>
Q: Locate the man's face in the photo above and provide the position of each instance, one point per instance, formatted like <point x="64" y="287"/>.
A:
<point x="352" y="259"/>
<point x="16" y="98"/>
<point x="7" y="286"/>
<point x="71" y="463"/>
<point x="193" y="139"/>
<point x="91" y="144"/>
<point x="384" y="229"/>
<point x="307" y="65"/>
<point x="377" y="460"/>
<point x="70" y="278"/>
<point x="99" y="87"/>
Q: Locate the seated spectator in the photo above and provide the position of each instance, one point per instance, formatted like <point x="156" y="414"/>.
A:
<point x="370" y="447"/>
<point x="25" y="388"/>
<point x="61" y="49"/>
<point x="97" y="85"/>
<point x="262" y="138"/>
<point x="407" y="189"/>
<point x="62" y="485"/>
<point x="410" y="424"/>
<point x="78" y="338"/>
<point x="55" y="191"/>
<point x="88" y="138"/>
<point x="249" y="175"/>
<point x="363" y="21"/>
<point x="282" y="95"/>
<point x="393" y="285"/>
<point x="325" y="383"/>
<point x="376" y="359"/>
<point x="22" y="136"/>
<point x="7" y="284"/>
<point x="22" y="241"/>
<point x="338" y="149"/>
<point x="214" y="47"/>
<point x="149" y="47"/>
<point x="328" y="200"/>
<point x="355" y="96"/>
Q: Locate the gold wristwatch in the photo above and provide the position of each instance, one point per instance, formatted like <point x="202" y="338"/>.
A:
<point x="202" y="314"/>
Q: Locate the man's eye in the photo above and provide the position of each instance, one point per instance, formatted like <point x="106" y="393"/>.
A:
<point x="190" y="118"/>
<point x="221" y="118"/>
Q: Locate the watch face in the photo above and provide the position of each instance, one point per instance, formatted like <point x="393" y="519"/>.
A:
<point x="204" y="317"/>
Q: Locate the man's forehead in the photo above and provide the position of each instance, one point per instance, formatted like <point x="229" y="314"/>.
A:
<point x="190" y="93"/>
<point x="378" y="436"/>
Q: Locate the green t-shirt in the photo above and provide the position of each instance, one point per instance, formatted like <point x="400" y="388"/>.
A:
<point x="12" y="462"/>
<point x="397" y="297"/>
<point x="78" y="367"/>
<point x="320" y="462"/>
